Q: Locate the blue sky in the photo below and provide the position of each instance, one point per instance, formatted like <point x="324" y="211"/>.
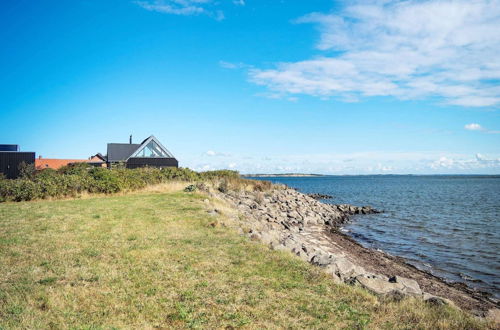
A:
<point x="334" y="87"/>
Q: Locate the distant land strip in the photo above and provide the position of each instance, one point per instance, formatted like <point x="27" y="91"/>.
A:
<point x="281" y="175"/>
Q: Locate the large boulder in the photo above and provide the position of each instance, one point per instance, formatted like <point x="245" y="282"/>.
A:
<point x="332" y="270"/>
<point x="396" y="286"/>
<point x="346" y="270"/>
<point x="379" y="286"/>
<point x="410" y="287"/>
<point x="321" y="259"/>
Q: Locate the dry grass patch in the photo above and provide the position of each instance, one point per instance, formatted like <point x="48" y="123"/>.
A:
<point x="150" y="259"/>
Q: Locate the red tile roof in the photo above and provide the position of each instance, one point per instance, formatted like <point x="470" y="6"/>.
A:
<point x="41" y="163"/>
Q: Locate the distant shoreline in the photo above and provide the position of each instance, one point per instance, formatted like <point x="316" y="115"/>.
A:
<point x="281" y="175"/>
<point x="368" y="175"/>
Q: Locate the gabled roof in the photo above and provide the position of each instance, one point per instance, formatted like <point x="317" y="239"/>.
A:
<point x="123" y="151"/>
<point x="100" y="156"/>
<point x="159" y="149"/>
<point x="97" y="158"/>
<point x="120" y="151"/>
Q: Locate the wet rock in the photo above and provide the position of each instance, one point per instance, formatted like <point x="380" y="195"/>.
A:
<point x="320" y="196"/>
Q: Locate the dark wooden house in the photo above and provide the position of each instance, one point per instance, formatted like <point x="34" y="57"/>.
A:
<point x="11" y="160"/>
<point x="149" y="152"/>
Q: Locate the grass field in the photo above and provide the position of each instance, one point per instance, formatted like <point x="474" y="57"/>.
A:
<point x="154" y="259"/>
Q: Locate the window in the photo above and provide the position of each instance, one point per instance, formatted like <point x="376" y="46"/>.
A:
<point x="152" y="150"/>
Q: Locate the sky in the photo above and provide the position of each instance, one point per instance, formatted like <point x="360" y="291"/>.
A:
<point x="258" y="86"/>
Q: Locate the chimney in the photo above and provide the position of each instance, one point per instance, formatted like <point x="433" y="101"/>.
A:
<point x="39" y="156"/>
<point x="130" y="139"/>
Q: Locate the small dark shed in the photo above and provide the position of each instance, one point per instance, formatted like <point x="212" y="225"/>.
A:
<point x="149" y="152"/>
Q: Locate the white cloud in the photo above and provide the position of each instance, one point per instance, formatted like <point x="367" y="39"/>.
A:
<point x="186" y="7"/>
<point x="477" y="127"/>
<point x="445" y="49"/>
<point x="231" y="65"/>
<point x="473" y="127"/>
<point x="176" y="7"/>
<point x="212" y="153"/>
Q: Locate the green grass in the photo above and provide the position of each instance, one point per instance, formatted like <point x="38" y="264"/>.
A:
<point x="152" y="259"/>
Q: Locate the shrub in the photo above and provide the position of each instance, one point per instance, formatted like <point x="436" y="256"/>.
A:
<point x="190" y="188"/>
<point x="75" y="168"/>
<point x="27" y="171"/>
<point x="19" y="190"/>
<point x="104" y="181"/>
<point x="74" y="179"/>
<point x="228" y="174"/>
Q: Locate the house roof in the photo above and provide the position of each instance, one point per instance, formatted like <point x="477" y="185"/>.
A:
<point x="96" y="160"/>
<point x="98" y="157"/>
<point x="153" y="142"/>
<point x="123" y="151"/>
<point x="41" y="163"/>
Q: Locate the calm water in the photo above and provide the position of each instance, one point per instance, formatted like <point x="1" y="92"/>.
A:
<point x="448" y="225"/>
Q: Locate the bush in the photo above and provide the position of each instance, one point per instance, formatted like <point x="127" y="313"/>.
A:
<point x="104" y="181"/>
<point x="227" y="174"/>
<point x="75" y="168"/>
<point x="19" y="190"/>
<point x="74" y="179"/>
<point x="27" y="171"/>
<point x="190" y="188"/>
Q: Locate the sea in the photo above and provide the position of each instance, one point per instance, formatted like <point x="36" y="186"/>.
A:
<point x="445" y="224"/>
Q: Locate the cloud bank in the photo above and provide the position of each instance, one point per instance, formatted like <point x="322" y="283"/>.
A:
<point x="380" y="162"/>
<point x="445" y="50"/>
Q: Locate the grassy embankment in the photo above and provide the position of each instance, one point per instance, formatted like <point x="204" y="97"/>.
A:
<point x="155" y="259"/>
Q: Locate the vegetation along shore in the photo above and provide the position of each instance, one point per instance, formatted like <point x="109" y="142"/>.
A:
<point x="92" y="248"/>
